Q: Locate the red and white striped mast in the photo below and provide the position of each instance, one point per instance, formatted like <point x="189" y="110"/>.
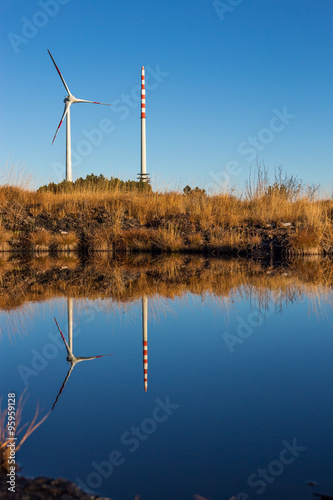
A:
<point x="143" y="176"/>
<point x="145" y="340"/>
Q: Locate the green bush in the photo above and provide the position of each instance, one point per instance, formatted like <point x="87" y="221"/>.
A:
<point x="94" y="182"/>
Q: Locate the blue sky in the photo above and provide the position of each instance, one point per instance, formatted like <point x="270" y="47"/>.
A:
<point x="228" y="82"/>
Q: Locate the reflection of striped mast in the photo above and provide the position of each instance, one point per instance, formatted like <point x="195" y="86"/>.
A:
<point x="143" y="176"/>
<point x="145" y="340"/>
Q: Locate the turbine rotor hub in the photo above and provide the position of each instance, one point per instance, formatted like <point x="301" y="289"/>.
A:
<point x="70" y="98"/>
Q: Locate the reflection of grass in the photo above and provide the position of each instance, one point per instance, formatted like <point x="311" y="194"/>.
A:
<point x="41" y="264"/>
<point x="5" y="266"/>
<point x="27" y="428"/>
<point x="130" y="279"/>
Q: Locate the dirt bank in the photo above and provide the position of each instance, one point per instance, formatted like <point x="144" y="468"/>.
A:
<point x="125" y="222"/>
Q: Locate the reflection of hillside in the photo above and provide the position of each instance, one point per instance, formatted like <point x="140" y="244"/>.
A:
<point x="130" y="279"/>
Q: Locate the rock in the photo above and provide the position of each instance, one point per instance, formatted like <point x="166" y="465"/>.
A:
<point x="42" y="488"/>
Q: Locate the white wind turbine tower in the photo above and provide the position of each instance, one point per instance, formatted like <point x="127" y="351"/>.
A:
<point x="69" y="99"/>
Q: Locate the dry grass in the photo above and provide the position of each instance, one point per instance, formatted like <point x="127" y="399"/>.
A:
<point x="168" y="238"/>
<point x="169" y="221"/>
<point x="65" y="242"/>
<point x="140" y="240"/>
<point x="305" y="241"/>
<point x="40" y="240"/>
<point x="5" y="238"/>
<point x="28" y="428"/>
<point x="104" y="239"/>
<point x="98" y="240"/>
<point x="195" y="242"/>
<point x="229" y="240"/>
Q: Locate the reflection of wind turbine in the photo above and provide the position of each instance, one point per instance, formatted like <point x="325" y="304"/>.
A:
<point x="69" y="347"/>
<point x="69" y="99"/>
<point x="145" y="340"/>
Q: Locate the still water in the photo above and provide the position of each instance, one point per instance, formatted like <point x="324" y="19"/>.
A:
<point x="201" y="395"/>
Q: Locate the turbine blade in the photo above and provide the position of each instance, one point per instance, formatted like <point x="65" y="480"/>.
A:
<point x="63" y="385"/>
<point x="92" y="102"/>
<point x="80" y="358"/>
<point x="67" y="105"/>
<point x="62" y="78"/>
<point x="62" y="336"/>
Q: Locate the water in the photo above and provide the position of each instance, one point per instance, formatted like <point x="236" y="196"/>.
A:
<point x="238" y="387"/>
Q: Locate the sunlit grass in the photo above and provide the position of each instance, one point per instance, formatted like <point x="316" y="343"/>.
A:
<point x="132" y="220"/>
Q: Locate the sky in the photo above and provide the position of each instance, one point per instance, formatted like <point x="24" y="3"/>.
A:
<point x="230" y="84"/>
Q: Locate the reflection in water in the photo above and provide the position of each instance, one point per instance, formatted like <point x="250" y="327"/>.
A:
<point x="131" y="279"/>
<point x="73" y="360"/>
<point x="275" y="384"/>
<point x="145" y="340"/>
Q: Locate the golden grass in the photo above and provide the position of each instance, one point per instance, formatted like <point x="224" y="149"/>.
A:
<point x="224" y="209"/>
<point x="174" y="220"/>
<point x="40" y="240"/>
<point x="168" y="238"/>
<point x="5" y="238"/>
<point x="305" y="241"/>
<point x="195" y="242"/>
<point x="65" y="242"/>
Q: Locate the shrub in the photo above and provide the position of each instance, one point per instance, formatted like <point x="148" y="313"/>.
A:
<point x="40" y="239"/>
<point x="95" y="183"/>
<point x="305" y="241"/>
<point x="188" y="190"/>
<point x="65" y="242"/>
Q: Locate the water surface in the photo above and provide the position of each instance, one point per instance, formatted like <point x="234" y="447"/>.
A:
<point x="238" y="386"/>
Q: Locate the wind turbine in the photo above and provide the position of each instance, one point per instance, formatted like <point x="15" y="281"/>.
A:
<point x="73" y="360"/>
<point x="69" y="99"/>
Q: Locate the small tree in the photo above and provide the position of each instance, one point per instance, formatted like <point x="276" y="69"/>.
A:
<point x="188" y="190"/>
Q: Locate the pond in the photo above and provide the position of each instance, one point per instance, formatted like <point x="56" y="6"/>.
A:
<point x="196" y="392"/>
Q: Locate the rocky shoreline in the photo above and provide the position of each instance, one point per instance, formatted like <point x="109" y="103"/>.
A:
<point x="43" y="488"/>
